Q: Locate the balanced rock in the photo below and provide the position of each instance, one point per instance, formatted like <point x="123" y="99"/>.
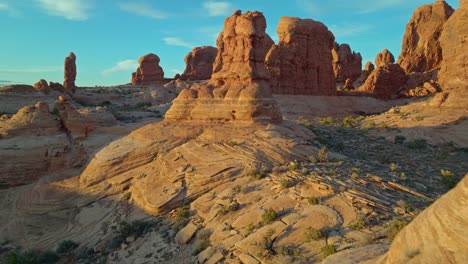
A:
<point x="199" y="63"/>
<point x="384" y="58"/>
<point x="385" y="81"/>
<point x="149" y="70"/>
<point x="347" y="64"/>
<point x="453" y="74"/>
<point x="421" y="49"/>
<point x="239" y="86"/>
<point x="300" y="63"/>
<point x="70" y="72"/>
<point x="438" y="234"/>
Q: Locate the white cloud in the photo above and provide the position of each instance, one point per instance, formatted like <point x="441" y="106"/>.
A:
<point x="349" y="29"/>
<point x="69" y="9"/>
<point x="10" y="9"/>
<point x="218" y="8"/>
<point x="142" y="10"/>
<point x="31" y="70"/>
<point x="177" y="42"/>
<point x="121" y="66"/>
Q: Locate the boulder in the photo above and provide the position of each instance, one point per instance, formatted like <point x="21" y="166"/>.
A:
<point x="438" y="234"/>
<point x="421" y="50"/>
<point x="385" y="81"/>
<point x="42" y="86"/>
<point x="78" y="126"/>
<point x="199" y="63"/>
<point x="70" y="73"/>
<point x="347" y="64"/>
<point x="300" y="63"/>
<point x="239" y="86"/>
<point x="149" y="71"/>
<point x="384" y="58"/>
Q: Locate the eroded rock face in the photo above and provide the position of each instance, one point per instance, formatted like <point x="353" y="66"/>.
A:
<point x="347" y="64"/>
<point x="77" y="126"/>
<point x="384" y="58"/>
<point x="149" y="70"/>
<point x="385" y="81"/>
<point x="369" y="67"/>
<point x="42" y="86"/>
<point x="438" y="234"/>
<point x="300" y="63"/>
<point x="70" y="72"/>
<point x="453" y="74"/>
<point x="239" y="86"/>
<point x="199" y="63"/>
<point x="421" y="50"/>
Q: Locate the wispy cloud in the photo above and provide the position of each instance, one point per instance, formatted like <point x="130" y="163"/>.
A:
<point x="124" y="65"/>
<point x="218" y="8"/>
<point x="177" y="42"/>
<point x="69" y="9"/>
<point x="10" y="9"/>
<point x="212" y="32"/>
<point x="31" y="70"/>
<point x="142" y="10"/>
<point x="322" y="8"/>
<point x="348" y="30"/>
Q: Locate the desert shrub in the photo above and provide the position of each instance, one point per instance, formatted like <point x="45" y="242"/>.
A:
<point x="448" y="178"/>
<point x="312" y="234"/>
<point x="294" y="165"/>
<point x="393" y="167"/>
<point x="354" y="176"/>
<point x="266" y="245"/>
<point x="323" y="154"/>
<point x="351" y="121"/>
<point x="183" y="213"/>
<point x="327" y="251"/>
<point x="403" y="176"/>
<point x="314" y="200"/>
<point x="66" y="246"/>
<point x="359" y="224"/>
<point x="257" y="172"/>
<point x="327" y="120"/>
<point x="285" y="183"/>
<point x="269" y="216"/>
<point x="234" y="206"/>
<point x="394" y="227"/>
<point x="203" y="241"/>
<point x="289" y="250"/>
<point x="135" y="228"/>
<point x="417" y="144"/>
<point x="399" y="139"/>
<point x="33" y="257"/>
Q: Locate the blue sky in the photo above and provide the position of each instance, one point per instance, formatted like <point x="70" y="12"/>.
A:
<point x="108" y="36"/>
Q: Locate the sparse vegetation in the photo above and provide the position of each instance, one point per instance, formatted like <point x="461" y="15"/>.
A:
<point x="182" y="214"/>
<point x="394" y="227"/>
<point x="266" y="246"/>
<point x="359" y="224"/>
<point x="234" y="206"/>
<point x="327" y="251"/>
<point x="323" y="154"/>
<point x="312" y="234"/>
<point x="257" y="173"/>
<point x="393" y="167"/>
<point x="354" y="176"/>
<point x="417" y="144"/>
<point x="314" y="200"/>
<point x="448" y="178"/>
<point x="294" y="165"/>
<point x="289" y="250"/>
<point x="327" y="120"/>
<point x="32" y="257"/>
<point x="285" y="183"/>
<point x="66" y="247"/>
<point x="351" y="121"/>
<point x="399" y="139"/>
<point x="135" y="228"/>
<point x="269" y="216"/>
<point x="203" y="241"/>
<point x="403" y="176"/>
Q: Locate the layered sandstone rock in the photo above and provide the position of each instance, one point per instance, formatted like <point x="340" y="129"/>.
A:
<point x="42" y="86"/>
<point x="149" y="70"/>
<point x="239" y="86"/>
<point x="77" y="125"/>
<point x="384" y="58"/>
<point x="385" y="81"/>
<point x="453" y="75"/>
<point x="438" y="234"/>
<point x="70" y="72"/>
<point x="347" y="64"/>
<point x="301" y="62"/>
<point x="368" y="69"/>
<point x="421" y="50"/>
<point x="199" y="63"/>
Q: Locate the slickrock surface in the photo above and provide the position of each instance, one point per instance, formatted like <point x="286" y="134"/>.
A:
<point x="77" y="125"/>
<point x="239" y="88"/>
<point x="437" y="235"/>
<point x="453" y="75"/>
<point x="199" y="63"/>
<point x="70" y="73"/>
<point x="347" y="64"/>
<point x="421" y="50"/>
<point x="300" y="63"/>
<point x="384" y="58"/>
<point x="149" y="70"/>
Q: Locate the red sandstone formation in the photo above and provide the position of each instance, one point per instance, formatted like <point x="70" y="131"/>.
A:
<point x="300" y="63"/>
<point x="347" y="64"/>
<point x="369" y="67"/>
<point x="421" y="49"/>
<point x="149" y="70"/>
<point x="42" y="86"/>
<point x="199" y="63"/>
<point x="70" y="73"/>
<point x="239" y="86"/>
<point x="384" y="58"/>
<point x="348" y="85"/>
<point x="77" y="126"/>
<point x="385" y="81"/>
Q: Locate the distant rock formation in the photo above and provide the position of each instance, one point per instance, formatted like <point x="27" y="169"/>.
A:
<point x="70" y="73"/>
<point x="239" y="86"/>
<point x="384" y="58"/>
<point x="453" y="74"/>
<point x="77" y="126"/>
<point x="149" y="70"/>
<point x="199" y="63"/>
<point x="387" y="79"/>
<point x="368" y="69"/>
<point x="421" y="50"/>
<point x="42" y="86"/>
<point x="347" y="64"/>
<point x="300" y="63"/>
<point x="437" y="235"/>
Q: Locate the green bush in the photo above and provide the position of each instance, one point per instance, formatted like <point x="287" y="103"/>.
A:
<point x="203" y="241"/>
<point x="294" y="165"/>
<point x="327" y="120"/>
<point x="393" y="167"/>
<point x="448" y="178"/>
<point x="314" y="200"/>
<point x="66" y="246"/>
<point x="327" y="251"/>
<point x="183" y="213"/>
<point x="269" y="216"/>
<point x="33" y="257"/>
<point x="257" y="173"/>
<point x="135" y="228"/>
<point x="312" y="234"/>
<point x="394" y="227"/>
<point x="359" y="224"/>
<point x="323" y="154"/>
